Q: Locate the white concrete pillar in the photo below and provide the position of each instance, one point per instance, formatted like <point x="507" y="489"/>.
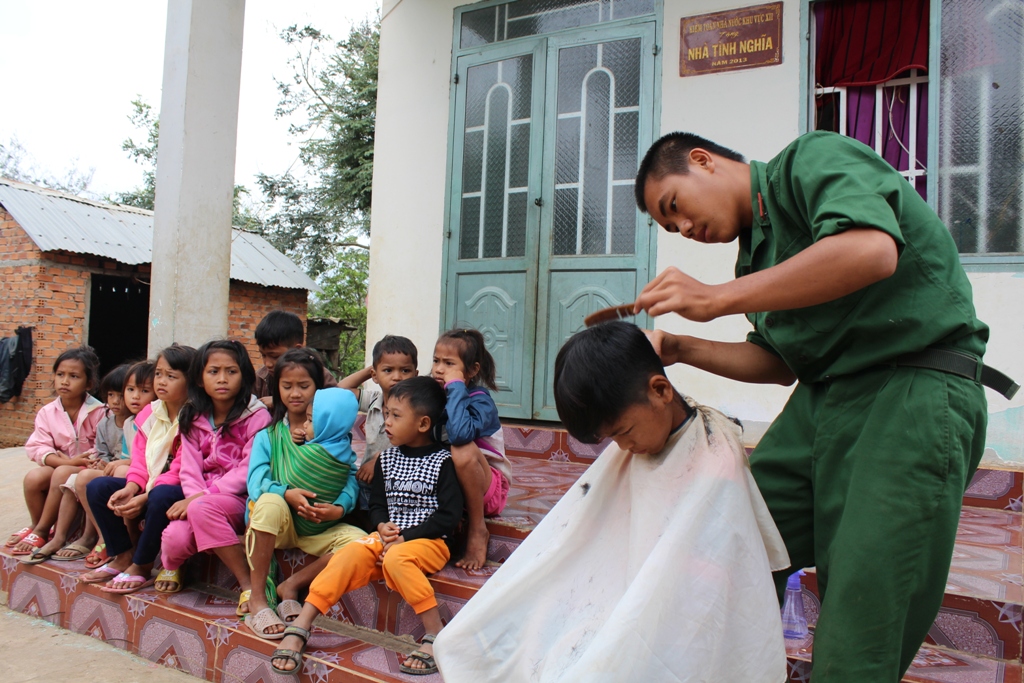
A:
<point x="195" y="172"/>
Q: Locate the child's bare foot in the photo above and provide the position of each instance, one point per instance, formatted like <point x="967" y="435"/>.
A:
<point x="75" y="551"/>
<point x="168" y="581"/>
<point x="134" y="572"/>
<point x="270" y="626"/>
<point x="476" y="547"/>
<point x="293" y="643"/>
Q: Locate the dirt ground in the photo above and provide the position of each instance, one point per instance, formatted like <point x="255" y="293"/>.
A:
<point x="39" y="651"/>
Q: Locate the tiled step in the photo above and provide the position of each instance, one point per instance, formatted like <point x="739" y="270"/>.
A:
<point x="197" y="631"/>
<point x="982" y="608"/>
<point x="931" y="665"/>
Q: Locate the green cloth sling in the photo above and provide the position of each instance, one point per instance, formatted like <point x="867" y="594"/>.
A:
<point x="308" y="467"/>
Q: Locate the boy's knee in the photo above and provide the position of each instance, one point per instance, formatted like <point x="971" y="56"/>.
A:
<point x="465" y="454"/>
<point x="270" y="510"/>
<point x="38" y="478"/>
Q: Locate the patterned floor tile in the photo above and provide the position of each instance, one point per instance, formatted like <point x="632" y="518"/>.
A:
<point x="999" y="489"/>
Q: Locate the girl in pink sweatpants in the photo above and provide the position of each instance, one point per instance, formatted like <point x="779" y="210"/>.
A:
<point x="217" y="429"/>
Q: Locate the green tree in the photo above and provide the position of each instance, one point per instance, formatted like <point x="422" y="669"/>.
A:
<point x="321" y="216"/>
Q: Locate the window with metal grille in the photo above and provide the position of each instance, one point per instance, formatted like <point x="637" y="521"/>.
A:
<point x="536" y="17"/>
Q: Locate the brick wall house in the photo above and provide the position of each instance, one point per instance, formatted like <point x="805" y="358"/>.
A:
<point x="51" y="291"/>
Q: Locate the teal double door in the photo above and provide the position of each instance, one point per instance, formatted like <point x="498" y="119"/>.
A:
<point x="543" y="229"/>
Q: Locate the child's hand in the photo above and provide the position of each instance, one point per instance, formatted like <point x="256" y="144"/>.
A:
<point x="180" y="509"/>
<point x="80" y="461"/>
<point x="387" y="547"/>
<point x="298" y="434"/>
<point x="121" y="497"/>
<point x="298" y="499"/>
<point x="133" y="508"/>
<point x="365" y="473"/>
<point x="449" y="374"/>
<point x="388" y="532"/>
<point x="322" y="512"/>
<point x="110" y="468"/>
<point x="268" y="401"/>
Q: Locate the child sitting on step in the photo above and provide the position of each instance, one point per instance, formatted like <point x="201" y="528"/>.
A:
<point x="464" y="367"/>
<point x="415" y="505"/>
<point x="108" y="437"/>
<point x="655" y="566"/>
<point x="137" y="393"/>
<point x="62" y="443"/>
<point x="151" y="485"/>
<point x="298" y="492"/>
<point x="278" y="332"/>
<point x="218" y="426"/>
<point x="394" y="358"/>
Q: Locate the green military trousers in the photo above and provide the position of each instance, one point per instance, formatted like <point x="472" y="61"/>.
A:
<point x="864" y="476"/>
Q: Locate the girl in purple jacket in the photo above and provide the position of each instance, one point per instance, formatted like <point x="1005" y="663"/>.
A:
<point x="217" y="427"/>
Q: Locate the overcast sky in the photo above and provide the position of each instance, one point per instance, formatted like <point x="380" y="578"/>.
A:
<point x="70" y="70"/>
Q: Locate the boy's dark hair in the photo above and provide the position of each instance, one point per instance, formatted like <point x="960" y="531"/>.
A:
<point x="424" y="395"/>
<point x="280" y="328"/>
<point x="199" y="402"/>
<point x="670" y="155"/>
<point x="88" y="358"/>
<point x="599" y="373"/>
<point x="114" y="381"/>
<point x="305" y="358"/>
<point x="472" y="349"/>
<point x="178" y="356"/>
<point x="391" y="343"/>
<point x="142" y="372"/>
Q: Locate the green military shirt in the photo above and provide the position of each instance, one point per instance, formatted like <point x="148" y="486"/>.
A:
<point x="823" y="184"/>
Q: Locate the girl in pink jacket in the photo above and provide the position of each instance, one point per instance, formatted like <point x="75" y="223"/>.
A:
<point x="61" y="443"/>
<point x="217" y="428"/>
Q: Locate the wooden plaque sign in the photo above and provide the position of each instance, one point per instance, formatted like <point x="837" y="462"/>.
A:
<point x="726" y="41"/>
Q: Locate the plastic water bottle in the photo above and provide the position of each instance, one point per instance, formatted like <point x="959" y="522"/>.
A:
<point x="794" y="623"/>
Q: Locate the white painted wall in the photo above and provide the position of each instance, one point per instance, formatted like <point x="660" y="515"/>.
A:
<point x="754" y="111"/>
<point x="410" y="156"/>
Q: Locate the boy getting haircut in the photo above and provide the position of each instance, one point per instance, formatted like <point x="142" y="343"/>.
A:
<point x="666" y="524"/>
<point x="601" y="372"/>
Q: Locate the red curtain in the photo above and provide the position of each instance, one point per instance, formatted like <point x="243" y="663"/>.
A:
<point x="865" y="42"/>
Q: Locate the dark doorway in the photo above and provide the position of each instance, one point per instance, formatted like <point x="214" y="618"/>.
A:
<point x="118" y="320"/>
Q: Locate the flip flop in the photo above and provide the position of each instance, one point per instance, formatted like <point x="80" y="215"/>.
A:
<point x="289" y="610"/>
<point x="259" y="623"/>
<point x="169" y="576"/>
<point x="36" y="557"/>
<point x="99" y="575"/>
<point x="98" y="557"/>
<point x="33" y="540"/>
<point x="294" y="655"/>
<point x="421" y="656"/>
<point x="124" y="578"/>
<point x="242" y="600"/>
<point x="17" y="537"/>
<point x="81" y="550"/>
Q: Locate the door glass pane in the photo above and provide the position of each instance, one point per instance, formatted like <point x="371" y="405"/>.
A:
<point x="981" y="126"/>
<point x="596" y="148"/>
<point x="536" y="17"/>
<point x="496" y="159"/>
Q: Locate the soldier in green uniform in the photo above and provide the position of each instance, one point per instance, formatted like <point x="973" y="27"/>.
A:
<point x="854" y="288"/>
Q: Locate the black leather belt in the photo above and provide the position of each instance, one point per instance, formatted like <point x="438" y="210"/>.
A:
<point x="960" y="364"/>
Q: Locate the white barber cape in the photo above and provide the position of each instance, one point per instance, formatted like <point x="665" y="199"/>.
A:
<point x="651" y="568"/>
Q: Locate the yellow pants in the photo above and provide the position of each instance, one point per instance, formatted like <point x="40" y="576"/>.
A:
<point x="404" y="568"/>
<point x="272" y="515"/>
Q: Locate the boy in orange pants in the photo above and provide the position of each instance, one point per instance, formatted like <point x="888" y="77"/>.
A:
<point x="415" y="504"/>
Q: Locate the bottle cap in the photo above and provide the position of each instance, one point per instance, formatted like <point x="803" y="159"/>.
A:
<point x="793" y="582"/>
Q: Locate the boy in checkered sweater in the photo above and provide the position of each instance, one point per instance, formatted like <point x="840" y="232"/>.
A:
<point x="415" y="504"/>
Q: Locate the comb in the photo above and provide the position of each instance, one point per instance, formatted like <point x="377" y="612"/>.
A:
<point x="609" y="314"/>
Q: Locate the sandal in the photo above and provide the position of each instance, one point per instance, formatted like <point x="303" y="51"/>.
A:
<point x="259" y="623"/>
<point x="430" y="666"/>
<point x="289" y="610"/>
<point x="36" y="557"/>
<point x="127" y="578"/>
<point x="243" y="599"/>
<point x="79" y="549"/>
<point x="33" y="540"/>
<point x="98" y="557"/>
<point x="294" y="655"/>
<point x="99" y="575"/>
<point x="170" y="576"/>
<point x="17" y="537"/>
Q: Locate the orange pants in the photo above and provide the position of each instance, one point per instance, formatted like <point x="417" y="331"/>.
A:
<point x="404" y="569"/>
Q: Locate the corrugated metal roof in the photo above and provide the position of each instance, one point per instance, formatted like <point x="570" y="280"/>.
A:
<point x="59" y="222"/>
